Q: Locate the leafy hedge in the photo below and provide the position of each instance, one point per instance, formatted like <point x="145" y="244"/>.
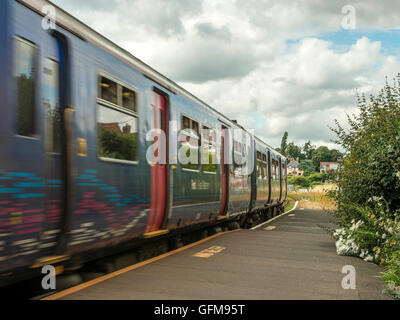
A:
<point x="370" y="183"/>
<point x="371" y="167"/>
<point x="306" y="181"/>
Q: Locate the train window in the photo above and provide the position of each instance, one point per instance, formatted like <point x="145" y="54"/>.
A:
<point x="128" y="99"/>
<point x="239" y="161"/>
<point x="52" y="106"/>
<point x="209" y="150"/>
<point x="265" y="170"/>
<point x="274" y="169"/>
<point x="108" y="90"/>
<point x="238" y="147"/>
<point x="117" y="122"/>
<point x="25" y="78"/>
<point x="259" y="169"/>
<point x="117" y="135"/>
<point x="192" y="148"/>
<point x="185" y="123"/>
<point x="195" y="127"/>
<point x="283" y="170"/>
<point x="264" y="163"/>
<point x="259" y="165"/>
<point x="188" y="123"/>
<point x="190" y="130"/>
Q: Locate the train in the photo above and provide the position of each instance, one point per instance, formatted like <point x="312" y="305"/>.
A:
<point x="75" y="180"/>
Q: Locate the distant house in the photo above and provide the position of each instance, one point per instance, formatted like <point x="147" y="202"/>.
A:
<point x="328" y="166"/>
<point x="293" y="168"/>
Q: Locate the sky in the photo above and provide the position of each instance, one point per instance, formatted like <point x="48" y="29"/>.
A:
<point x="272" y="65"/>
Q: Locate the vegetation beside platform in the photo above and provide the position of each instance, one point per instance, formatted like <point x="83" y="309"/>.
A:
<point x="369" y="194"/>
<point x="317" y="198"/>
<point x="290" y="203"/>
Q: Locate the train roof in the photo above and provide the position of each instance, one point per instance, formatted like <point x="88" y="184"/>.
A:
<point x="83" y="31"/>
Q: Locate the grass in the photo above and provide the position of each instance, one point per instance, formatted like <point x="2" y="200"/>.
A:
<point x="290" y="203"/>
<point x="315" y="199"/>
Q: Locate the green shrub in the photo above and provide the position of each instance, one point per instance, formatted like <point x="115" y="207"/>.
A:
<point x="307" y="181"/>
<point x="372" y="164"/>
<point x="369" y="183"/>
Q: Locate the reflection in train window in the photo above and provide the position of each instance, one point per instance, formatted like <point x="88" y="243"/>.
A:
<point x="259" y="165"/>
<point x="264" y="165"/>
<point x="239" y="152"/>
<point x="274" y="169"/>
<point x="185" y="122"/>
<point x="195" y="127"/>
<point x="209" y="150"/>
<point x="117" y="135"/>
<point x="189" y="143"/>
<point x="51" y="101"/>
<point x="25" y="74"/>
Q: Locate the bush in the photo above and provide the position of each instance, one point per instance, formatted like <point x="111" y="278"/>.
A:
<point x="307" y="181"/>
<point x="371" y="166"/>
<point x="374" y="237"/>
<point x="370" y="184"/>
<point x="299" y="181"/>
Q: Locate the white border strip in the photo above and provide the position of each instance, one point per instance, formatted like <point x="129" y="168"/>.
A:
<point x="281" y="215"/>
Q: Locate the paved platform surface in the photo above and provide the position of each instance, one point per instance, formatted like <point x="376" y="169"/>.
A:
<point x="294" y="260"/>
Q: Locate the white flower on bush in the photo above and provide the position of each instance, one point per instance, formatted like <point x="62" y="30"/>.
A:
<point x="346" y="246"/>
<point x="384" y="236"/>
<point x="355" y="226"/>
<point x="369" y="258"/>
<point x="363" y="253"/>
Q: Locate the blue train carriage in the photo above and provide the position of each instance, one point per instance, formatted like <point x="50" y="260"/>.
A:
<point x="262" y="182"/>
<point x="278" y="181"/>
<point x="66" y="188"/>
<point x="74" y="178"/>
<point x="269" y="181"/>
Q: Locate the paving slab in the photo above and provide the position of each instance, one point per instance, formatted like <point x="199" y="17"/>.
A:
<point x="295" y="260"/>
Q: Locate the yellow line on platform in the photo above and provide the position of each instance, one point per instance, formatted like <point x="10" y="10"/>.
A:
<point x="90" y="283"/>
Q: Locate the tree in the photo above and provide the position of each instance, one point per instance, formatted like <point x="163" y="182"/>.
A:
<point x="306" y="165"/>
<point x="117" y="146"/>
<point x="293" y="151"/>
<point x="335" y="155"/>
<point x="371" y="166"/>
<point x="308" y="149"/>
<point x="284" y="143"/>
<point x="321" y="154"/>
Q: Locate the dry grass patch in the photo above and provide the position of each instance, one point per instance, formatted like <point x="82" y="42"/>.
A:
<point x="316" y="198"/>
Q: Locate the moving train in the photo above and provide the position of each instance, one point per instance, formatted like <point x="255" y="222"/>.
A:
<point x="75" y="183"/>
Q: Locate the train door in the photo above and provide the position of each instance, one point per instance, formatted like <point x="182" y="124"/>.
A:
<point x="52" y="130"/>
<point x="39" y="171"/>
<point x="280" y="179"/>
<point x="269" y="177"/>
<point x="158" y="170"/>
<point x="284" y="173"/>
<point x="224" y="171"/>
<point x="57" y="142"/>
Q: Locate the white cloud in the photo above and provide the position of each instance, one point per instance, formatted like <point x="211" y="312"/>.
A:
<point x="235" y="55"/>
<point x="302" y="91"/>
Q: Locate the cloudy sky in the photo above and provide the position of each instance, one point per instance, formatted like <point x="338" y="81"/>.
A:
<point x="273" y="65"/>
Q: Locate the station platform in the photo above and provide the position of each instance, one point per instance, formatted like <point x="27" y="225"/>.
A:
<point x="290" y="257"/>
